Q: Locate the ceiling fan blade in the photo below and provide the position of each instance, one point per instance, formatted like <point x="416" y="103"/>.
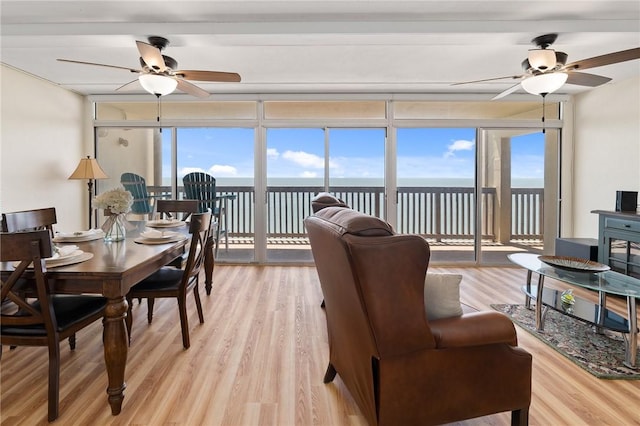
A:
<point x="608" y="59"/>
<point x="509" y="91"/>
<point x="132" y="85"/>
<point x="228" y="77"/>
<point x="512" y="77"/>
<point x="584" y="79"/>
<point x="192" y="89"/>
<point x="99" y="65"/>
<point x="151" y="56"/>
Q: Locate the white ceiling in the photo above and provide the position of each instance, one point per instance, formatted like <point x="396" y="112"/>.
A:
<point x="315" y="46"/>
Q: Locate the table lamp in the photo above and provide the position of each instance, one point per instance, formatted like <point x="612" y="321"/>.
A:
<point x="89" y="169"/>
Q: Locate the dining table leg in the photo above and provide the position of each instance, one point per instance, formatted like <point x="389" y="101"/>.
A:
<point x="115" y="350"/>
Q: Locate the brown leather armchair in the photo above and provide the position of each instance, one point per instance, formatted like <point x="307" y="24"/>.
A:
<point x="400" y="368"/>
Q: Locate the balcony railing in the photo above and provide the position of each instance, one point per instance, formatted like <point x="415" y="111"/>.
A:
<point x="436" y="213"/>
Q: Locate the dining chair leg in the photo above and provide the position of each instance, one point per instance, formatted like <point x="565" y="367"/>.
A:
<point x="196" y="294"/>
<point x="184" y="322"/>
<point x="54" y="381"/>
<point x="209" y="264"/>
<point x="150" y="302"/>
<point x="129" y="320"/>
<point x="72" y="342"/>
<point x="330" y="374"/>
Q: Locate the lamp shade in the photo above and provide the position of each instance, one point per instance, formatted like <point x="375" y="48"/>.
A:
<point x="542" y="59"/>
<point x="158" y="85"/>
<point x="544" y="83"/>
<point x="88" y="169"/>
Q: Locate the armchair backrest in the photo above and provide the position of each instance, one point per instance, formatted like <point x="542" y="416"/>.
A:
<point x="202" y="187"/>
<point x="137" y="186"/>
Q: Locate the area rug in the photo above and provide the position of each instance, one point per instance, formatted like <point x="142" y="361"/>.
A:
<point x="600" y="354"/>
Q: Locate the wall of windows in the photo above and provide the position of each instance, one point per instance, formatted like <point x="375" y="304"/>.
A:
<point x="379" y="155"/>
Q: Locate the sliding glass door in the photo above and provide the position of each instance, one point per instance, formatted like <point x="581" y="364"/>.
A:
<point x="436" y="189"/>
<point x="227" y="155"/>
<point x="477" y="195"/>
<point x="304" y="161"/>
<point x="518" y="173"/>
<point x="295" y="173"/>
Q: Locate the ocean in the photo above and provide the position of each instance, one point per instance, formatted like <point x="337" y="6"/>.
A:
<point x="374" y="182"/>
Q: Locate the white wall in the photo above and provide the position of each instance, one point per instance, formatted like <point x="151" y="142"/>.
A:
<point x="43" y="135"/>
<point x="606" y="151"/>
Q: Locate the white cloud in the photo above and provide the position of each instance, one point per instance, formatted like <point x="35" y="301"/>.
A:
<point x="304" y="159"/>
<point x="459" y="145"/>
<point x="218" y="170"/>
<point x="308" y="174"/>
<point x="187" y="170"/>
<point x="272" y="153"/>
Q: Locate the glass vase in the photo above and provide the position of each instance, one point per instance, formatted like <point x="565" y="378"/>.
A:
<point x="114" y="229"/>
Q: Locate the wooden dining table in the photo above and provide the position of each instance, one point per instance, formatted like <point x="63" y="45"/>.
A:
<point x="114" y="268"/>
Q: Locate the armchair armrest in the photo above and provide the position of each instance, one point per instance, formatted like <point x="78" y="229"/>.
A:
<point x="473" y="329"/>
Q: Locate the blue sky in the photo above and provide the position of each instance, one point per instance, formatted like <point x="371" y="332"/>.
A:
<point x="299" y="153"/>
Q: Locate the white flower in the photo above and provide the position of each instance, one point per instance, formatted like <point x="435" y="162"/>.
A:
<point x="117" y="200"/>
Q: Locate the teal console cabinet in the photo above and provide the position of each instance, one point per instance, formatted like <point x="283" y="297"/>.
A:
<point x="619" y="241"/>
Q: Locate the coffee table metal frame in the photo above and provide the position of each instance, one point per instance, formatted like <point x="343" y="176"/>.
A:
<point x="607" y="282"/>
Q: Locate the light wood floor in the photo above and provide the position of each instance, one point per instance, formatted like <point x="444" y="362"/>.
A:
<point x="260" y="357"/>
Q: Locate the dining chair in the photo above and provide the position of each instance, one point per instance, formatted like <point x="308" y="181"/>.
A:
<point x="202" y="187"/>
<point x="178" y="209"/>
<point x="46" y="319"/>
<point x="171" y="282"/>
<point x="30" y="220"/>
<point x="168" y="209"/>
<point x="27" y="220"/>
<point x="137" y="186"/>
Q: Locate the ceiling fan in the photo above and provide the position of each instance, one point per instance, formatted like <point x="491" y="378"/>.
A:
<point x="546" y="70"/>
<point x="160" y="75"/>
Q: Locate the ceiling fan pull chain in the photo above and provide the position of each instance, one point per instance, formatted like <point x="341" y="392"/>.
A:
<point x="543" y="107"/>
<point x="159" y="110"/>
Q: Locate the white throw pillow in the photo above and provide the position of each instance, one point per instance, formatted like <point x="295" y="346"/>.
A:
<point x="442" y="295"/>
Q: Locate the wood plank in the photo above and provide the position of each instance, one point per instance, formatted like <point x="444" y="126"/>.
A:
<point x="260" y="357"/>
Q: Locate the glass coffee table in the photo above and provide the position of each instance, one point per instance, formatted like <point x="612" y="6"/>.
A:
<point x="605" y="283"/>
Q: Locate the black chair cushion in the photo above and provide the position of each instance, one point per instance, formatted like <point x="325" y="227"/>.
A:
<point x="166" y="278"/>
<point x="69" y="309"/>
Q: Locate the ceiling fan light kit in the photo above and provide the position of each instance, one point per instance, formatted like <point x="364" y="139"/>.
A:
<point x="159" y="85"/>
<point x="544" y="83"/>
<point x="542" y="59"/>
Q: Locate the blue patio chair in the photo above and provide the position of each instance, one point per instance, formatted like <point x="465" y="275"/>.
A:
<point x="202" y="187"/>
<point x="137" y="186"/>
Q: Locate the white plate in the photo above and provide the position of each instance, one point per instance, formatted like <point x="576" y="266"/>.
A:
<point x="67" y="256"/>
<point x="165" y="223"/>
<point x="158" y="235"/>
<point x="69" y="259"/>
<point x="173" y="239"/>
<point x="78" y="237"/>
